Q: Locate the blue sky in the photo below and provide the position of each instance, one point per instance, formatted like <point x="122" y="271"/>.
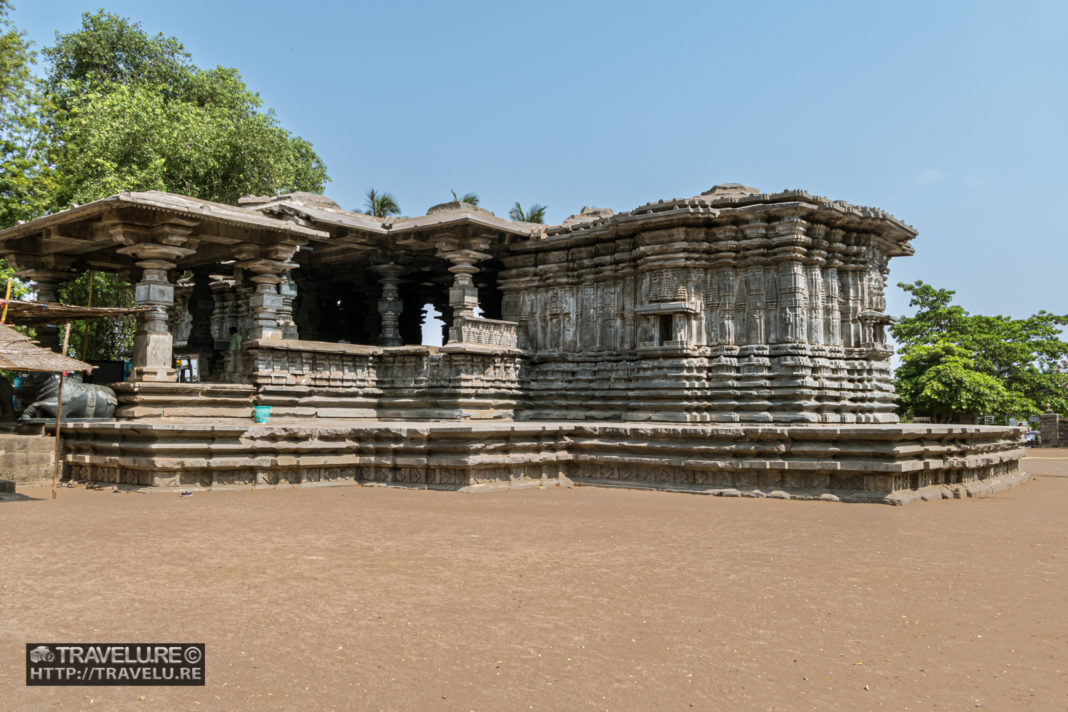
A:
<point x="950" y="115"/>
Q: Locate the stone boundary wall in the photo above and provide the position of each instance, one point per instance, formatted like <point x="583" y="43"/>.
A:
<point x="27" y="458"/>
<point x="892" y="464"/>
<point x="1054" y="430"/>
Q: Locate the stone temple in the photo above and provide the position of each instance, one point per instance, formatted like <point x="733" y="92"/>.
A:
<point x="733" y="343"/>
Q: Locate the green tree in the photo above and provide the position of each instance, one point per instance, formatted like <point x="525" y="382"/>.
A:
<point x="24" y="177"/>
<point x="119" y="109"/>
<point x="109" y="49"/>
<point x="130" y="111"/>
<point x="941" y="380"/>
<point x="534" y="214"/>
<point x="381" y="205"/>
<point x="951" y="359"/>
<point x="107" y="338"/>
<point x="469" y="198"/>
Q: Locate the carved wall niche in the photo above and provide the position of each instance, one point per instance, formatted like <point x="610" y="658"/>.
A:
<point x="815" y="304"/>
<point x="832" y="309"/>
<point x="728" y="291"/>
<point x="179" y="318"/>
<point x="608" y="316"/>
<point x="587" y="318"/>
<point x="753" y="317"/>
<point x="712" y="319"/>
<point x="771" y="304"/>
<point x="793" y="297"/>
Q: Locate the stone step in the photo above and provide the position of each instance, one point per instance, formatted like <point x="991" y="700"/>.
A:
<point x="27" y="444"/>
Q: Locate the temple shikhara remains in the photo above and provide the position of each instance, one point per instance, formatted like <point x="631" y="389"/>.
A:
<point x="732" y="342"/>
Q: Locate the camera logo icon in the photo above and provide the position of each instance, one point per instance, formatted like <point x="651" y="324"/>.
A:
<point x="42" y="654"/>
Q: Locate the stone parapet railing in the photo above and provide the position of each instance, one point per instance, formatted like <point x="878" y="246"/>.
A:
<point x="311" y="378"/>
<point x="327" y="365"/>
<point x="489" y="332"/>
<point x="309" y="363"/>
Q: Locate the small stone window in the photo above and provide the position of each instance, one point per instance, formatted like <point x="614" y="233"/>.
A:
<point x="667" y="332"/>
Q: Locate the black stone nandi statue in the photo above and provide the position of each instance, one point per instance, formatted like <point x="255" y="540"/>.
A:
<point x="80" y="400"/>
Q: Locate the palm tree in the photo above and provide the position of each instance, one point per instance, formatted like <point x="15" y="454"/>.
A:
<point x="381" y="205"/>
<point x="534" y="214"/>
<point x="469" y="198"/>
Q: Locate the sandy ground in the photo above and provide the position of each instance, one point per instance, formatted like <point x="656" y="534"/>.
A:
<point x="353" y="598"/>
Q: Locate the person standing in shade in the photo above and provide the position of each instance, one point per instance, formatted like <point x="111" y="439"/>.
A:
<point x="235" y="339"/>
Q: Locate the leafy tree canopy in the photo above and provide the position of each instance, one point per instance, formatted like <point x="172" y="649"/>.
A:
<point x="24" y="184"/>
<point x="954" y="363"/>
<point x="120" y="109"/>
<point x="108" y="49"/>
<point x="133" y="112"/>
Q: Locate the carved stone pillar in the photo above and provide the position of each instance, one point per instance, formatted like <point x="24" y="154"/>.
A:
<point x="153" y="357"/>
<point x="222" y="296"/>
<point x="46" y="283"/>
<point x="390" y="305"/>
<point x="265" y="302"/>
<point x="463" y="296"/>
<point x="287" y="289"/>
<point x="240" y="310"/>
<point x="202" y="309"/>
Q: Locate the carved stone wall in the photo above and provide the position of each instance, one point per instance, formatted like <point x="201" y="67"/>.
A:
<point x="487" y="332"/>
<point x="303" y="378"/>
<point x="774" y="315"/>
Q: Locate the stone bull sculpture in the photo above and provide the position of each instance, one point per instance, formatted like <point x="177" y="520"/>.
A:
<point x="80" y="400"/>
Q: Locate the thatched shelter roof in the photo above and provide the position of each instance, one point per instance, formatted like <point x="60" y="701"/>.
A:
<point x="18" y="353"/>
<point x="40" y="313"/>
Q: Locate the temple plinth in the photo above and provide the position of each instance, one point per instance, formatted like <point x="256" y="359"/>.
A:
<point x="649" y="346"/>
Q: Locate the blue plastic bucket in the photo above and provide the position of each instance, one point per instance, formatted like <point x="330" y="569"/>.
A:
<point x="261" y="413"/>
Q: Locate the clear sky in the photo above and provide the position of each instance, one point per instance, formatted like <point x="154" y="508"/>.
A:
<point x="953" y="116"/>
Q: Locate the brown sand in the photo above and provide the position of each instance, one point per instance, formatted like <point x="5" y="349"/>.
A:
<point x="353" y="598"/>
